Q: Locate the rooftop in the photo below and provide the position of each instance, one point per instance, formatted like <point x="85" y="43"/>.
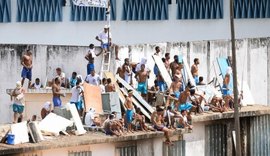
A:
<point x="97" y="137"/>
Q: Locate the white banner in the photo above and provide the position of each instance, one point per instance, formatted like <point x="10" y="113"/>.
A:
<point x="91" y="3"/>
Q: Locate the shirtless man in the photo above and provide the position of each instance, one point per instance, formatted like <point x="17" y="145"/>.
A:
<point x="175" y="86"/>
<point x="142" y="77"/>
<point x="158" y="123"/>
<point x="195" y="70"/>
<point x="185" y="102"/>
<point x="90" y="57"/>
<point x="110" y="86"/>
<point x="174" y="65"/>
<point x="226" y="90"/>
<point x="129" y="111"/>
<point x="109" y="126"/>
<point x="27" y="67"/>
<point x="167" y="61"/>
<point x="127" y="72"/>
<point x="56" y="93"/>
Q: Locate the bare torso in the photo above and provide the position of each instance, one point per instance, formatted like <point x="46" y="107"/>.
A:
<point x="142" y="76"/>
<point x="55" y="88"/>
<point x="129" y="104"/>
<point x="27" y="61"/>
<point x="175" y="86"/>
<point x="194" y="70"/>
<point x="173" y="67"/>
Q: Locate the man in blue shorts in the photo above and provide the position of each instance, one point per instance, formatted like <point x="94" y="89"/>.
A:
<point x="90" y="57"/>
<point x="56" y="93"/>
<point x="142" y="76"/>
<point x="27" y="67"/>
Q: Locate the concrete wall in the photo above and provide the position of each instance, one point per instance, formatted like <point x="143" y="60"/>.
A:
<point x="149" y="147"/>
<point x="129" y="32"/>
<point x="195" y="141"/>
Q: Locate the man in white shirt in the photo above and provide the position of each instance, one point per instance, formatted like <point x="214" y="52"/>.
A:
<point x="105" y="38"/>
<point x="76" y="99"/>
<point x="93" y="78"/>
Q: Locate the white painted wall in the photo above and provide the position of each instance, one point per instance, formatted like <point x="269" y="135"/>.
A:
<point x="129" y="32"/>
<point x="195" y="143"/>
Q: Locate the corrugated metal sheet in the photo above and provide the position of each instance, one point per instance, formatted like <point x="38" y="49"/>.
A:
<point x="126" y="151"/>
<point x="81" y="153"/>
<point x="259" y="136"/>
<point x="179" y="149"/>
<point x="216" y="140"/>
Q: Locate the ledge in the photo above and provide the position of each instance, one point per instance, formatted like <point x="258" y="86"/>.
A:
<point x="247" y="111"/>
<point x="87" y="139"/>
<point x="40" y="91"/>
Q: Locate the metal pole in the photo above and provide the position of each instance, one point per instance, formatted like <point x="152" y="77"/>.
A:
<point x="235" y="89"/>
<point x="108" y="13"/>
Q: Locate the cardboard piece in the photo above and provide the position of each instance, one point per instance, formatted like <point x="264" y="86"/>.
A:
<point x="53" y="123"/>
<point x="162" y="69"/>
<point x="117" y="88"/>
<point x="76" y="118"/>
<point x="138" y="105"/>
<point x="188" y="72"/>
<point x="35" y="132"/>
<point x="4" y="130"/>
<point x="136" y="94"/>
<point x="223" y="65"/>
<point x="20" y="131"/>
<point x="92" y="97"/>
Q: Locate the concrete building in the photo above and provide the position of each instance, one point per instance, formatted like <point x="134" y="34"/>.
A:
<point x="58" y="35"/>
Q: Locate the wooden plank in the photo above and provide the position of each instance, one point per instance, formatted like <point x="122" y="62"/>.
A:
<point x="117" y="88"/>
<point x="136" y="94"/>
<point x="76" y="118"/>
<point x="163" y="71"/>
<point x="138" y="105"/>
<point x="35" y="132"/>
<point x="92" y="97"/>
<point x="188" y="71"/>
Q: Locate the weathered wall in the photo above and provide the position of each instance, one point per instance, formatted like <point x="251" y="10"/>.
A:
<point x="252" y="61"/>
<point x="129" y="32"/>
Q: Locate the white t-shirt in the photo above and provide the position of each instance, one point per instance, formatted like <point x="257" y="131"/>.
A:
<point x="104" y="36"/>
<point x="94" y="80"/>
<point x="75" y="94"/>
<point x="102" y="87"/>
<point x="89" y="117"/>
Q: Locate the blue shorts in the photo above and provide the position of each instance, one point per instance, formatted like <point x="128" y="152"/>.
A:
<point x="79" y="105"/>
<point x="196" y="79"/>
<point x="185" y="106"/>
<point x="18" y="108"/>
<point x="105" y="46"/>
<point x="57" y="102"/>
<point x="177" y="94"/>
<point x="26" y="73"/>
<point x="90" y="68"/>
<point x="129" y="115"/>
<point x="225" y="91"/>
<point x="162" y="86"/>
<point x="142" y="87"/>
